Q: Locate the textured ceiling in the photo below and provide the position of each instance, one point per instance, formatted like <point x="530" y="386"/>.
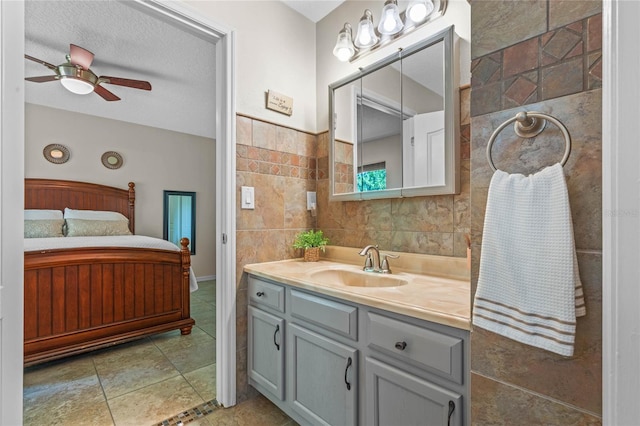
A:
<point x="313" y="10"/>
<point x="127" y="43"/>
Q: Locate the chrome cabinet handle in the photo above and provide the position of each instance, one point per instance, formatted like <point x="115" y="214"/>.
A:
<point x="401" y="346"/>
<point x="275" y="342"/>
<point x="260" y="293"/>
<point x="349" y="361"/>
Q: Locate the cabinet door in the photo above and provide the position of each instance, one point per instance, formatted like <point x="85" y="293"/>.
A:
<point x="395" y="397"/>
<point x="322" y="376"/>
<point x="266" y="351"/>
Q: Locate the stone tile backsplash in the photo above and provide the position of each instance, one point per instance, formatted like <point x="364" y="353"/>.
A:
<point x="555" y="63"/>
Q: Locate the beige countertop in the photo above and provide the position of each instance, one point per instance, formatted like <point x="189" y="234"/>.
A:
<point x="441" y="296"/>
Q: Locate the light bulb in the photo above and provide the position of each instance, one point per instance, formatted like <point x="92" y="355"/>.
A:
<point x="389" y="21"/>
<point x="344" y="49"/>
<point x="364" y="37"/>
<point x="418" y="12"/>
<point x="79" y="87"/>
<point x="343" y="54"/>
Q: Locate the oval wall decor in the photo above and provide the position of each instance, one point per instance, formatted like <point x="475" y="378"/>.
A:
<point x="112" y="160"/>
<point x="56" y="153"/>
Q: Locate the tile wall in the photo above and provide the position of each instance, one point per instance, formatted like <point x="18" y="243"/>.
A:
<point x="280" y="163"/>
<point x="540" y="56"/>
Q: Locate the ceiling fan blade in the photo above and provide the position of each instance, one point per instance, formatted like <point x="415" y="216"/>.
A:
<point x="43" y="78"/>
<point x="41" y="62"/>
<point x="136" y="84"/>
<point x="106" y="95"/>
<point x="80" y="56"/>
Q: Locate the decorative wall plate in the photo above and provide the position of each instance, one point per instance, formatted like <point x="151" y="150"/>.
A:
<point x="112" y="160"/>
<point x="56" y="153"/>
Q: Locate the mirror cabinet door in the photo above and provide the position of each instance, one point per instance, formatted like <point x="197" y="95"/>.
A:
<point x="379" y="147"/>
<point x="424" y="126"/>
<point x="345" y="138"/>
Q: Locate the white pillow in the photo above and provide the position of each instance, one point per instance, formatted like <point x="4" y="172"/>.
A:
<point x="42" y="214"/>
<point x="93" y="215"/>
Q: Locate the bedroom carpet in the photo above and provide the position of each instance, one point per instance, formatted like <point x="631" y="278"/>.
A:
<point x="165" y="379"/>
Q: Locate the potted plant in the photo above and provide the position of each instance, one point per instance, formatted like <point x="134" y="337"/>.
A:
<point x="312" y="242"/>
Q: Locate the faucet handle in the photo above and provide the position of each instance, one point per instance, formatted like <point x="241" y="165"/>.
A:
<point x="368" y="263"/>
<point x="384" y="263"/>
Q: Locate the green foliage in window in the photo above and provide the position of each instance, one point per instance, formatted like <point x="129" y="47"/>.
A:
<point x="373" y="180"/>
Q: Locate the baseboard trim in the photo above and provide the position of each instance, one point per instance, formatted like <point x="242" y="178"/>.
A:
<point x="206" y="278"/>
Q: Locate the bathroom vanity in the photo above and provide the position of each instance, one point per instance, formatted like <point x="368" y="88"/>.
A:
<point x="331" y="344"/>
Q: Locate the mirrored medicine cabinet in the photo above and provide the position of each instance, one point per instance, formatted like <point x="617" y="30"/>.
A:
<point x="394" y="125"/>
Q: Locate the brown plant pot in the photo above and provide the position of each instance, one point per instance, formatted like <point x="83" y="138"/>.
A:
<point x="312" y="254"/>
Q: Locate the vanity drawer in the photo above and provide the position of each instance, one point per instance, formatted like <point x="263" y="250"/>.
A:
<point x="266" y="294"/>
<point x="328" y="314"/>
<point x="434" y="351"/>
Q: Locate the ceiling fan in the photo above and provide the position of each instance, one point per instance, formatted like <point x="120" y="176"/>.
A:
<point x="76" y="76"/>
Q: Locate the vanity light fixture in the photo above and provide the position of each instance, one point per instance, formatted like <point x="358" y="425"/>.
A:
<point x="366" y="36"/>
<point x="344" y="49"/>
<point x="392" y="26"/>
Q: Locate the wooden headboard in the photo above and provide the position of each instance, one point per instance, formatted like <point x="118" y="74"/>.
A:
<point x="58" y="194"/>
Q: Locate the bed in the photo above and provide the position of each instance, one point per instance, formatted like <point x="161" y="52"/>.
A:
<point x="81" y="297"/>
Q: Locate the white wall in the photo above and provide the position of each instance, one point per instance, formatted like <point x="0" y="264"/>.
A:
<point x="329" y="69"/>
<point x="154" y="159"/>
<point x="275" y="51"/>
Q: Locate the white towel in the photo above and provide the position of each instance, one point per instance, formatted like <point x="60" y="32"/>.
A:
<point x="529" y="288"/>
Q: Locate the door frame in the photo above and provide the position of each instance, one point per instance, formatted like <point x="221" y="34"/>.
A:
<point x="224" y="38"/>
<point x="11" y="210"/>
<point x="621" y="212"/>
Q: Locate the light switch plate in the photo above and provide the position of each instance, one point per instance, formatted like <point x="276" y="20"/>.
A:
<point x="248" y="198"/>
<point x="311" y="200"/>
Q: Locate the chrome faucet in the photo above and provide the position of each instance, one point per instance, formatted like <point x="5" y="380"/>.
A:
<point x="376" y="263"/>
<point x="371" y="265"/>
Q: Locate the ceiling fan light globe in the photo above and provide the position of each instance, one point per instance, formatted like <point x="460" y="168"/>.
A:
<point x="74" y="85"/>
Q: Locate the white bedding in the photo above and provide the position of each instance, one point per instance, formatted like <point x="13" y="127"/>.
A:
<point x="140" y="241"/>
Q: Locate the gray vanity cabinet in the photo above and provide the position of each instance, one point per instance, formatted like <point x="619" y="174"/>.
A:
<point x="265" y="363"/>
<point x="266" y="333"/>
<point x="322" y="378"/>
<point x="343" y="363"/>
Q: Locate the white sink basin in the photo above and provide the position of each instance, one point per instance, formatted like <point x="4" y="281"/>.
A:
<point x="352" y="278"/>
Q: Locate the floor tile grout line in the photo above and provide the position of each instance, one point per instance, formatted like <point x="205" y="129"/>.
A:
<point x="104" y="393"/>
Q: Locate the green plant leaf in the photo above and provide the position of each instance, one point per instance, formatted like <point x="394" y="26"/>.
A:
<point x="310" y="238"/>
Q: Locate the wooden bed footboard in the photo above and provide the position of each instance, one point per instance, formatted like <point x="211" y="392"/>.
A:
<point x="77" y="300"/>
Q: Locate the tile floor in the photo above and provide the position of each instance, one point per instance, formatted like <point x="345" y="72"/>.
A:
<point x="144" y="382"/>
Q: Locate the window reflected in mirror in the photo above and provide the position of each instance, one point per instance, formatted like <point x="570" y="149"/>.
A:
<point x="180" y="218"/>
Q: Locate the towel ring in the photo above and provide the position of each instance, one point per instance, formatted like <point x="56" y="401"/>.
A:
<point x="530" y="124"/>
